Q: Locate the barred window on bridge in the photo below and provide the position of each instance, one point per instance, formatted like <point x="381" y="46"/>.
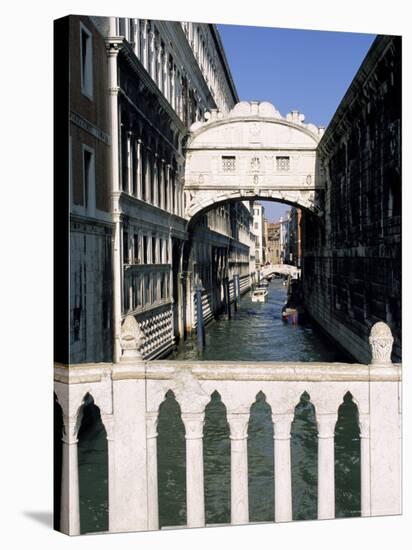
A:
<point x="283" y="164"/>
<point x="229" y="164"/>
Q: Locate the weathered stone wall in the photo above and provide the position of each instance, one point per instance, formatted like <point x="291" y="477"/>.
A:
<point x="352" y="255"/>
<point x="91" y="329"/>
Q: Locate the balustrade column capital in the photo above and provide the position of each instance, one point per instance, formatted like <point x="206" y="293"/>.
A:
<point x="108" y="422"/>
<point x="326" y="425"/>
<point x="71" y="429"/>
<point x="193" y="425"/>
<point x="364" y="425"/>
<point x="238" y="423"/>
<point x="151" y="424"/>
<point x="282" y="424"/>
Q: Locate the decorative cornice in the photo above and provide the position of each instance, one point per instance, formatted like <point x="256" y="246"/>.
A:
<point x="93" y="130"/>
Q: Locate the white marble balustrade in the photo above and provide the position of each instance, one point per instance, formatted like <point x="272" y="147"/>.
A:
<point x="130" y="393"/>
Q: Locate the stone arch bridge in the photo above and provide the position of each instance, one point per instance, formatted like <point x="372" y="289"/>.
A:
<point x="250" y="153"/>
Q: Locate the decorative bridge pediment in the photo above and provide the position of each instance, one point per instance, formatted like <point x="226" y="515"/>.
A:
<point x="252" y="152"/>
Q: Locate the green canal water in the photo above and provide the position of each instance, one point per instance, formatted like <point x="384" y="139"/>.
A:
<point x="256" y="332"/>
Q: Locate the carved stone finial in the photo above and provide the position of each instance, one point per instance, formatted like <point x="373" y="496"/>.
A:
<point x="381" y="341"/>
<point x="131" y="338"/>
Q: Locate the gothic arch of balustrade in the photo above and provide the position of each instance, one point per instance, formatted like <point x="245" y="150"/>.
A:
<point x="304" y="459"/>
<point x="216" y="461"/>
<point x="72" y="402"/>
<point x="250" y="153"/>
<point x="194" y="394"/>
<point x="171" y="462"/>
<point x="92" y="449"/>
<point x="260" y="457"/>
<point x="347" y="459"/>
<point x="58" y="428"/>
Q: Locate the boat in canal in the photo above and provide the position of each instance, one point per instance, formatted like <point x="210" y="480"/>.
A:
<point x="259" y="294"/>
<point x="290" y="315"/>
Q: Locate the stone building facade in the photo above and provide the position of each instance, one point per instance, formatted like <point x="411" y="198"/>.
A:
<point x="136" y="88"/>
<point x="90" y="195"/>
<point x="352" y="255"/>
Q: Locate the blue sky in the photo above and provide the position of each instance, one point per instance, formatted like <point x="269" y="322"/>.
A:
<point x="294" y="69"/>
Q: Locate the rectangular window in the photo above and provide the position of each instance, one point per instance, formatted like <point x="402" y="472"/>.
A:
<point x="86" y="61"/>
<point x="229" y="164"/>
<point x="283" y="164"/>
<point x="89" y="190"/>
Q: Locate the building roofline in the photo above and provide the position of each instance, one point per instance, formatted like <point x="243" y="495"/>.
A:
<point x="221" y="51"/>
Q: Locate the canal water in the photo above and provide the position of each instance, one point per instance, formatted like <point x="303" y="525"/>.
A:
<point x="255" y="332"/>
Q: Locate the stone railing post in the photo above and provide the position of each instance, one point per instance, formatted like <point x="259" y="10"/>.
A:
<point x="152" y="491"/>
<point x="194" y="469"/>
<point x="381" y="341"/>
<point x="326" y="465"/>
<point x="365" y="465"/>
<point x="283" y="469"/>
<point x="385" y="433"/>
<point x="238" y="424"/>
<point x="70" y="506"/>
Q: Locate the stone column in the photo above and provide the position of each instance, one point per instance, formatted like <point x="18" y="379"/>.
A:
<point x="365" y="465"/>
<point x="155" y="198"/>
<point x="152" y="492"/>
<point x="239" y="500"/>
<point x="326" y="465"/>
<point x="162" y="184"/>
<point x="283" y="469"/>
<point x="138" y="169"/>
<point x="194" y="469"/>
<point x="112" y="52"/>
<point x="70" y="507"/>
<point x="165" y="75"/>
<point x="151" y="68"/>
<point x="108" y="422"/>
<point x="129" y="162"/>
<point x="148" y="176"/>
<point x="136" y="37"/>
<point x="173" y="86"/>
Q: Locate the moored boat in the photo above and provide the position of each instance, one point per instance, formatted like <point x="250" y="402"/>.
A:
<point x="259" y="294"/>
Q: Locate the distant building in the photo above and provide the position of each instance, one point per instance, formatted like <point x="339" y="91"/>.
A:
<point x="274" y="243"/>
<point x="258" y="230"/>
